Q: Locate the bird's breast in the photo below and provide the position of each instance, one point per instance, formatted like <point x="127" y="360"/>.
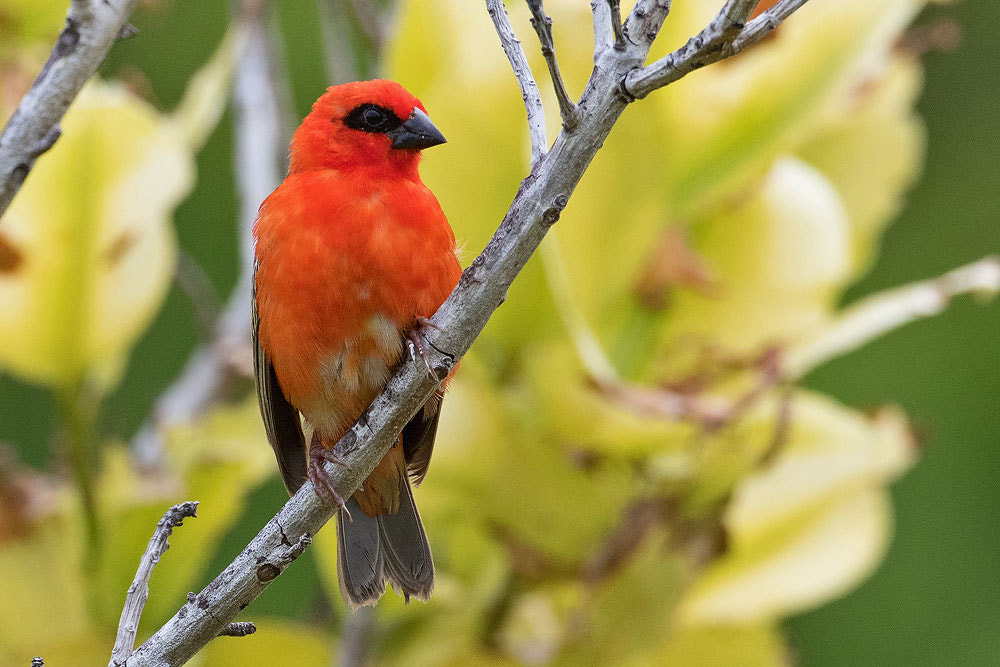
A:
<point x="339" y="278"/>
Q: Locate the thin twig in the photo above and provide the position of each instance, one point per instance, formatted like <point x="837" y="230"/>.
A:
<point x="721" y="39"/>
<point x="616" y="24"/>
<point x="732" y="18"/>
<point x="135" y="600"/>
<point x="885" y="311"/>
<point x="238" y="629"/>
<point x="483" y="286"/>
<point x="529" y="89"/>
<point x="765" y="23"/>
<point x="543" y="28"/>
<point x="92" y="26"/>
<point x="603" y="32"/>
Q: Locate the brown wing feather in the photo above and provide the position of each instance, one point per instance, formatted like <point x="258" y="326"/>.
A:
<point x="281" y="419"/>
<point x="418" y="439"/>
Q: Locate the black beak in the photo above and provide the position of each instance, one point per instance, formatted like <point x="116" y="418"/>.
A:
<point x="417" y="132"/>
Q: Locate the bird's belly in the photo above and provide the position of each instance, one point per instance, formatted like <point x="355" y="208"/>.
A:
<point x="349" y="376"/>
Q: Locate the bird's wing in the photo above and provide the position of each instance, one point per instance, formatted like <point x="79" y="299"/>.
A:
<point x="418" y="439"/>
<point x="281" y="420"/>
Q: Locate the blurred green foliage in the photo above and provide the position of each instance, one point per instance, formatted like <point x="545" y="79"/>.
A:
<point x="568" y="521"/>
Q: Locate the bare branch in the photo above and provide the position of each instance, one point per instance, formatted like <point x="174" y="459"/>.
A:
<point x="722" y="38"/>
<point x="542" y="196"/>
<point x="616" y="24"/>
<point x="603" y="32"/>
<point x="732" y="18"/>
<point x="765" y="23"/>
<point x="883" y="312"/>
<point x="543" y="27"/>
<point x="644" y="22"/>
<point x="529" y="89"/>
<point x="135" y="600"/>
<point x="238" y="629"/>
<point x="92" y="26"/>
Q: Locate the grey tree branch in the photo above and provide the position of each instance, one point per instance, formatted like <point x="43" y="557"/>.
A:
<point x="616" y="24"/>
<point x="723" y="37"/>
<point x="543" y="28"/>
<point x="92" y="26"/>
<point x="603" y="30"/>
<point x="542" y="196"/>
<point x="525" y="79"/>
<point x="135" y="600"/>
<point x="882" y="312"/>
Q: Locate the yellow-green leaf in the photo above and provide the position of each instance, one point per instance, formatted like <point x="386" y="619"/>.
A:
<point x="91" y="227"/>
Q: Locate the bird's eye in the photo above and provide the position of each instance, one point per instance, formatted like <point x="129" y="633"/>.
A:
<point x="373" y="118"/>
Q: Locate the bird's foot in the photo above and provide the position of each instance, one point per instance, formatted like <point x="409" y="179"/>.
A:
<point x="416" y="342"/>
<point x="318" y="456"/>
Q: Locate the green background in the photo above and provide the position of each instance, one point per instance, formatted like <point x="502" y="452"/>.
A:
<point x="936" y="598"/>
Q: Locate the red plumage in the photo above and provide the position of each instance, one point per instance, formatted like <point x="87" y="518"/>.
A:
<point x="351" y="249"/>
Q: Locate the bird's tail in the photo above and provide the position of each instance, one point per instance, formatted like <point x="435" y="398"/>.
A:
<point x="387" y="547"/>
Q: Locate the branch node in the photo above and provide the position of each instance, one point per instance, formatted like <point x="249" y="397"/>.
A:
<point x="622" y="90"/>
<point x="238" y="629"/>
<point x="296" y="549"/>
<point x="66" y="42"/>
<point x="552" y="213"/>
<point x="127" y="32"/>
<point x="267" y="572"/>
<point x="47" y="141"/>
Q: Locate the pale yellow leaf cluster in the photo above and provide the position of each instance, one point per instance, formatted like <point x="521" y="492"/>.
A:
<point x="92" y="240"/>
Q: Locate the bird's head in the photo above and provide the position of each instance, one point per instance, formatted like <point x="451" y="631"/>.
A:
<point x="375" y="124"/>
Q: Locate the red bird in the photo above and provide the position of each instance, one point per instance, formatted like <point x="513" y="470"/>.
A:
<point x="352" y="254"/>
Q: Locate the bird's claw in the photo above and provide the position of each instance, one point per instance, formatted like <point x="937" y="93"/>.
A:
<point x="318" y="456"/>
<point x="417" y="343"/>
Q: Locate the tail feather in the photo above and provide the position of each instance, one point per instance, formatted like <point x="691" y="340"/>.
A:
<point x="360" y="562"/>
<point x="407" y="555"/>
<point x="388" y="548"/>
